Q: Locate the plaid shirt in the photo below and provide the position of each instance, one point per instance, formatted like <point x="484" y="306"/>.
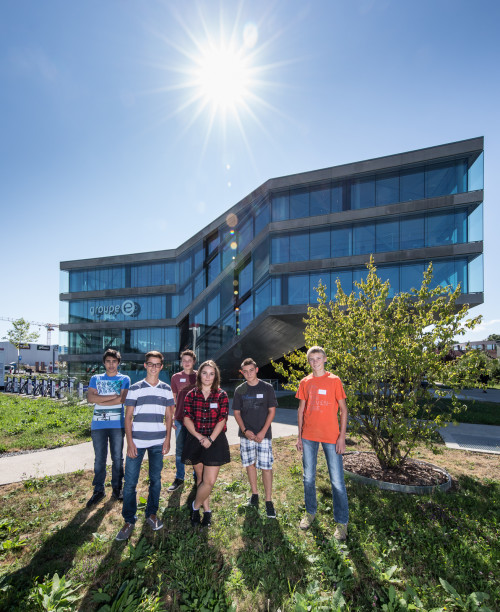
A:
<point x="206" y="413"/>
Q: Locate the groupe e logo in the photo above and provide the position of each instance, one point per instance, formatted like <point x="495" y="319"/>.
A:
<point x="128" y="307"/>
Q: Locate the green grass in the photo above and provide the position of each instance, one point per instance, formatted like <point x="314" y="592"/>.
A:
<point x="397" y="544"/>
<point x="31" y="423"/>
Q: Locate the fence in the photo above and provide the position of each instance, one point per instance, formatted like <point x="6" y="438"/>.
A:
<point x="43" y="387"/>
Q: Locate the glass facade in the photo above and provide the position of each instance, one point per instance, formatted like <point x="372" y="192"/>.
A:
<point x="225" y="280"/>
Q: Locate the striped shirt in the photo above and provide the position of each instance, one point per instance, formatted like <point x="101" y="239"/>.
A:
<point x="150" y="406"/>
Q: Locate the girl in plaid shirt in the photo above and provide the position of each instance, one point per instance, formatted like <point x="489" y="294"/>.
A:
<point x="206" y="408"/>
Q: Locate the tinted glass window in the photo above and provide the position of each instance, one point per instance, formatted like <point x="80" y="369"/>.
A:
<point x="441" y="229"/>
<point x="342" y="241"/>
<point x="320" y="201"/>
<point x="412" y="233"/>
<point x="345" y="279"/>
<point x="299" y="247"/>
<point x="245" y="234"/>
<point x="364" y="238"/>
<point x="320" y="244"/>
<point x="245" y="279"/>
<point x="262" y="217"/>
<point x="314" y="281"/>
<point x="298" y="289"/>
<point x="390" y="273"/>
<point x="336" y="198"/>
<point x="387" y="189"/>
<point x="213" y="269"/>
<point x="475" y="222"/>
<point x="280" y="207"/>
<point x="299" y="204"/>
<point x="412" y="184"/>
<point x="444" y="179"/>
<point x="363" y="193"/>
<point x="246" y="313"/>
<point x="412" y="276"/>
<point x="387" y="233"/>
<point x="280" y="249"/>
<point x="262" y="297"/>
<point x="260" y="256"/>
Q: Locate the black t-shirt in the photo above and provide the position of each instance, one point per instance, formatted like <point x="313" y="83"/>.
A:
<point x="254" y="402"/>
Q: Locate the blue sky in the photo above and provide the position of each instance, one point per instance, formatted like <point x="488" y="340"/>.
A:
<point x="102" y="153"/>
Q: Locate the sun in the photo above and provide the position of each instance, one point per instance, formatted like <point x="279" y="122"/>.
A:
<point x="224" y="78"/>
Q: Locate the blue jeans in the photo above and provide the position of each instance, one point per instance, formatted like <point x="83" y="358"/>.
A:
<point x="336" y="471"/>
<point x="100" y="439"/>
<point x="180" y="438"/>
<point x="132" y="470"/>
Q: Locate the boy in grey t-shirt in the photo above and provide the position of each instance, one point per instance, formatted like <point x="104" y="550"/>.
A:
<point x="254" y="406"/>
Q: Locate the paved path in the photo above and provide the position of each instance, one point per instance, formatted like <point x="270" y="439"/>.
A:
<point x="478" y="438"/>
<point x="81" y="456"/>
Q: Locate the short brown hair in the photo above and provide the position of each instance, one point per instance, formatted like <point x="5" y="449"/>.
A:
<point x="211" y="364"/>
<point x="316" y="349"/>
<point x="188" y="353"/>
<point x="248" y="361"/>
<point x="156" y="354"/>
<point x="112" y="353"/>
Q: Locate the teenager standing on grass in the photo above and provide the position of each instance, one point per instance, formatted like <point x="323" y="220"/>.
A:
<point x="254" y="406"/>
<point x="181" y="384"/>
<point x="148" y="425"/>
<point x="206" y="409"/>
<point x="321" y="397"/>
<point x="108" y="392"/>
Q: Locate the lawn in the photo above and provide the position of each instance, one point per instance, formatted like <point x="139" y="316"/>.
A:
<point x="31" y="423"/>
<point x="420" y="548"/>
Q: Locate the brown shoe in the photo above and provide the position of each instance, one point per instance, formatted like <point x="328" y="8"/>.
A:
<point x="307" y="521"/>
<point x="341" y="532"/>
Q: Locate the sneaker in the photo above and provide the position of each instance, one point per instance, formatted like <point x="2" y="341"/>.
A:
<point x="341" y="532"/>
<point x="96" y="497"/>
<point x="117" y="494"/>
<point x="195" y="517"/>
<point x="125" y="532"/>
<point x="175" y="485"/>
<point x="207" y="519"/>
<point x="154" y="522"/>
<point x="307" y="521"/>
<point x="254" y="501"/>
<point x="270" y="511"/>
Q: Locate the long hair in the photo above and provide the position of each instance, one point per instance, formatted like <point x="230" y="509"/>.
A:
<point x="211" y="364"/>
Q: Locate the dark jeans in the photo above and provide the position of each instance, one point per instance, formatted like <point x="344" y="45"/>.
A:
<point x="180" y="438"/>
<point x="132" y="470"/>
<point x="100" y="439"/>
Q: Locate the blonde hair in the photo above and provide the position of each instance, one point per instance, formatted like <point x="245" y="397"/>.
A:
<point x="316" y="349"/>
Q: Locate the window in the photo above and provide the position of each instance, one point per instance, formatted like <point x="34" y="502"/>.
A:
<point x="280" y="249"/>
<point x="475" y="275"/>
<point x="445" y="179"/>
<point x="441" y="229"/>
<point x="280" y="206"/>
<point x="319" y="201"/>
<point x="213" y="269"/>
<point x="245" y="279"/>
<point x="476" y="173"/>
<point x="364" y="238"/>
<point x="345" y="279"/>
<point x="412" y="276"/>
<point x="320" y="244"/>
<point x="299" y="247"/>
<point x="336" y="198"/>
<point x="412" y="233"/>
<point x="213" y="310"/>
<point x="299" y="204"/>
<point x="390" y="273"/>
<point x="262" y="297"/>
<point x="260" y="256"/>
<point x="245" y="234"/>
<point x="314" y="281"/>
<point x="261" y="217"/>
<point x="342" y="241"/>
<point x="362" y="193"/>
<point x="298" y="289"/>
<point x="412" y="184"/>
<point x="387" y="189"/>
<point x="246" y="313"/>
<point x="475" y="224"/>
<point x="387" y="236"/>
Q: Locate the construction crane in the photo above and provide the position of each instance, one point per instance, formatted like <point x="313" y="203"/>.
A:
<point x="50" y="327"/>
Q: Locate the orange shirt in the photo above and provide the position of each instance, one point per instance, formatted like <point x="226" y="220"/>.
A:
<point x="322" y="395"/>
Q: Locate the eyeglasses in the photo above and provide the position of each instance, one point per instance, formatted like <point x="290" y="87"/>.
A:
<point x="153" y="365"/>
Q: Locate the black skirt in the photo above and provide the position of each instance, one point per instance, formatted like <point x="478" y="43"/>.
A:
<point x="217" y="454"/>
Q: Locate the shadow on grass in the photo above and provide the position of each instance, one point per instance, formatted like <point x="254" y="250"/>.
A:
<point x="269" y="563"/>
<point x="56" y="553"/>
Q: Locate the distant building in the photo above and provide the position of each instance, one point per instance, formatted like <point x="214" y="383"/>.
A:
<point x="37" y="357"/>
<point x="490" y="347"/>
<point x="241" y="285"/>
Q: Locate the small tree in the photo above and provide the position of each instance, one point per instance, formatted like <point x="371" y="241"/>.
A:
<point x="21" y="334"/>
<point x="390" y="354"/>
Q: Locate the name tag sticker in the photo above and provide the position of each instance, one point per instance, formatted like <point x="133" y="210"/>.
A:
<point x="214" y="405"/>
<point x="321" y="391"/>
<point x="260" y="396"/>
<point x="182" y="379"/>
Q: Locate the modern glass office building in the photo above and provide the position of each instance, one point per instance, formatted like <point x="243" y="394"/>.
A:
<point x="241" y="286"/>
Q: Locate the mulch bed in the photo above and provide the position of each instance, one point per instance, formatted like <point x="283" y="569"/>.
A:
<point x="412" y="473"/>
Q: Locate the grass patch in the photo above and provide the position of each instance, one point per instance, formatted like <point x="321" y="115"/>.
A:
<point x="31" y="423"/>
<point x="399" y="545"/>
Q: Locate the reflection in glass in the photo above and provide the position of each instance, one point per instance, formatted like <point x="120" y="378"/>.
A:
<point x="298" y="289"/>
<point x="387" y="233"/>
<point x="320" y="201"/>
<point x="299" y="247"/>
<point x="412" y="233"/>
<point x="320" y="244"/>
<point x="362" y="193"/>
<point x="280" y="207"/>
<point x="476" y="173"/>
<point x="364" y="238"/>
<point x="387" y="189"/>
<point x="412" y="184"/>
<point x="342" y="241"/>
<point x="299" y="203"/>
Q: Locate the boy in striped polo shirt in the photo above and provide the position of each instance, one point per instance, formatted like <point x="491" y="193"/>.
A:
<point x="147" y="427"/>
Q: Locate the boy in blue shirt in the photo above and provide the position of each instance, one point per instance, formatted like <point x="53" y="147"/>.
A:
<point x="108" y="392"/>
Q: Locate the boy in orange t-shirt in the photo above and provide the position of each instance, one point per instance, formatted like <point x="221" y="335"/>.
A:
<point x="321" y="397"/>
